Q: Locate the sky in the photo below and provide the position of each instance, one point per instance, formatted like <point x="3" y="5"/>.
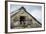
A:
<point x="35" y="11"/>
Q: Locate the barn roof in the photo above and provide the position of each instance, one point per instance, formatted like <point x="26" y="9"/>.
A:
<point x="14" y="13"/>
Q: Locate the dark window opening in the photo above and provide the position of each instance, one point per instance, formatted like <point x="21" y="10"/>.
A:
<point x="22" y="19"/>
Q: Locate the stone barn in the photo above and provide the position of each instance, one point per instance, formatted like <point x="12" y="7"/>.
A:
<point x="22" y="19"/>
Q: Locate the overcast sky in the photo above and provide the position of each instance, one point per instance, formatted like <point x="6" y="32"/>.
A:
<point x="35" y="11"/>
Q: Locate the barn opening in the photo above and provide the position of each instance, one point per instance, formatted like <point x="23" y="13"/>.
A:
<point x="22" y="19"/>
